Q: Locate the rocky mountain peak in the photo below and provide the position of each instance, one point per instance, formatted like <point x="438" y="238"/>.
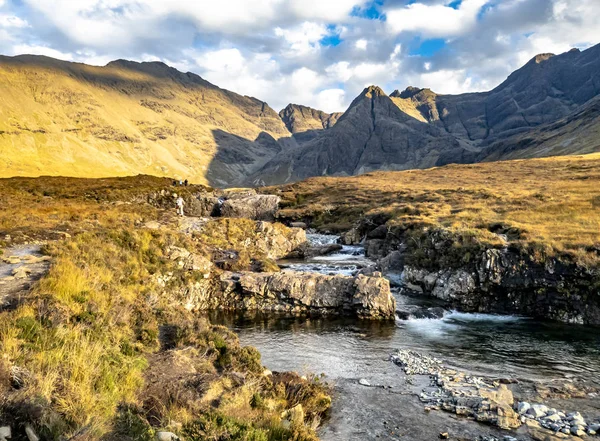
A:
<point x="298" y="118"/>
<point x="372" y="92"/>
<point x="539" y="58"/>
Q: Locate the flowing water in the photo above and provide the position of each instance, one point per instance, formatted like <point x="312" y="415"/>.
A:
<point x="346" y="350"/>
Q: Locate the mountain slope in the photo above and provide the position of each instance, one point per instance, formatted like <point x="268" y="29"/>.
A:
<point x="540" y="110"/>
<point x="577" y="133"/>
<point x="373" y="134"/>
<point x="61" y="118"/>
<point x="126" y="118"/>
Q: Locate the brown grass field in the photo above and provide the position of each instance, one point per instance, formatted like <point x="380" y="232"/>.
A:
<point x="551" y="203"/>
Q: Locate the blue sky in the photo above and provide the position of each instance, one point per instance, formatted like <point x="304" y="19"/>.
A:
<point x="320" y="53"/>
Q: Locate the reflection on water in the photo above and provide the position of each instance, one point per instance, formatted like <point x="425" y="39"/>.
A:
<point x="479" y="343"/>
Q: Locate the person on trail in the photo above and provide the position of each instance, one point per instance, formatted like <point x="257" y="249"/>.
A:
<point x="185" y="183"/>
<point x="179" y="202"/>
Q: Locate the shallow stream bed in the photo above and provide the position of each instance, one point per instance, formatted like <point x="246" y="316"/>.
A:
<point x="347" y="350"/>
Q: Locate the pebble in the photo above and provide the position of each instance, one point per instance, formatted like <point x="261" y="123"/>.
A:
<point x="523" y="407"/>
<point x="363" y="382"/>
<point x="414" y="363"/>
<point x="166" y="436"/>
<point x="5" y="433"/>
<point x="31" y="436"/>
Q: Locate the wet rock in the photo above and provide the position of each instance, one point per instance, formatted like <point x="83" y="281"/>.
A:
<point x="352" y="237"/>
<point x="256" y="207"/>
<point x="298" y="225"/>
<point x="315" y="250"/>
<point x="394" y="261"/>
<point x="408" y="312"/>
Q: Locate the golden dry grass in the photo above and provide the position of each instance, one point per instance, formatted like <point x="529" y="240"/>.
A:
<point x="552" y="202"/>
<point x="67" y="119"/>
<point x="82" y="342"/>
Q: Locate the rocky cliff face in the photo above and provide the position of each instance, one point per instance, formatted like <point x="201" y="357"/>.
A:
<point x="476" y="277"/>
<point x="298" y="118"/>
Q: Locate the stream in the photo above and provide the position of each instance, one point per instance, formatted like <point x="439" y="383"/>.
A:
<point x="347" y="350"/>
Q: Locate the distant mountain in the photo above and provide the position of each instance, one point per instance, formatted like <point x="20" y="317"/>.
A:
<point x="305" y="123"/>
<point x="61" y="118"/>
<point x="545" y="108"/>
<point x="373" y="134"/>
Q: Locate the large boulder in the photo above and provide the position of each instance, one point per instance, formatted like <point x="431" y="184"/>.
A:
<point x="257" y="207"/>
<point x="257" y="238"/>
<point x="363" y="296"/>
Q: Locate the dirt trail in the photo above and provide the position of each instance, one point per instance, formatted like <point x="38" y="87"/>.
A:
<point x="20" y="267"/>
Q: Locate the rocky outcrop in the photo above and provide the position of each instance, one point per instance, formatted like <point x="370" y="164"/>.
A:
<point x="306" y="293"/>
<point x="257" y="207"/>
<point x="258" y="238"/>
<point x="477" y="277"/>
<point x="505" y="281"/>
<point x="196" y="204"/>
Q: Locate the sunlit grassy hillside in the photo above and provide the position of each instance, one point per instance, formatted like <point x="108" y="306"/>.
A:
<point x="67" y="119"/>
<point x="100" y="348"/>
<point x="552" y="204"/>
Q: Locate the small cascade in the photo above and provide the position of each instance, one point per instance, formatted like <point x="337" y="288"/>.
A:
<point x="347" y="262"/>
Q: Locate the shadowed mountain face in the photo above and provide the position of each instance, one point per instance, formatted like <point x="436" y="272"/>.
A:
<point x="547" y="107"/>
<point x="61" y="118"/>
<point x="373" y="134"/>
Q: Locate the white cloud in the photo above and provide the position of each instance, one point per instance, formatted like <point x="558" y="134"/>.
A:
<point x="11" y="21"/>
<point x="361" y="44"/>
<point x="339" y="71"/>
<point x="434" y="20"/>
<point x="21" y="49"/>
<point x="331" y="100"/>
<point x="328" y="10"/>
<point x="302" y="39"/>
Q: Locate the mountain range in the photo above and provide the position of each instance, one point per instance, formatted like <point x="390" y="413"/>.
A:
<point x="71" y="119"/>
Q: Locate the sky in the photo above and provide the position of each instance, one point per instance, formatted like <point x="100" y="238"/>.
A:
<point x="319" y="53"/>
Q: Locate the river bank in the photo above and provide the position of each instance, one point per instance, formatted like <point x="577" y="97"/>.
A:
<point x="542" y="362"/>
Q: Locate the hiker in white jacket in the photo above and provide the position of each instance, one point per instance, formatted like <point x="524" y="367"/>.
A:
<point x="179" y="202"/>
